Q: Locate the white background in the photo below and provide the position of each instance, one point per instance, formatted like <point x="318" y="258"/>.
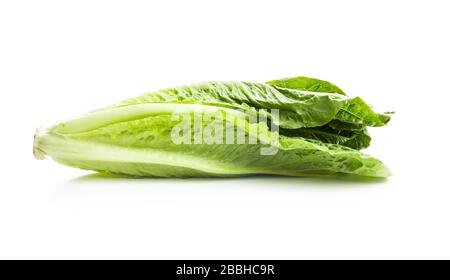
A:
<point x="61" y="58"/>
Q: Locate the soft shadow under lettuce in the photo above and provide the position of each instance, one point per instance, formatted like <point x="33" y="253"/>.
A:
<point x="336" y="181"/>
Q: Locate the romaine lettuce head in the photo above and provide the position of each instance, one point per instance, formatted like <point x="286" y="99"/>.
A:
<point x="222" y="129"/>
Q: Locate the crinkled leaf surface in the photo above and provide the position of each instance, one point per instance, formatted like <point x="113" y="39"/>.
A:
<point x="307" y="84"/>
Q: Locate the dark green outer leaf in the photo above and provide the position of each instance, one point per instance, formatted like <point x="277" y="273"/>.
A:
<point x="308" y="84"/>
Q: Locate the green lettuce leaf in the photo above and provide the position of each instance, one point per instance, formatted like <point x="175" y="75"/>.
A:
<point x="316" y="133"/>
<point x="307" y="84"/>
<point x="143" y="147"/>
<point x="298" y="108"/>
<point x="357" y="139"/>
<point x="356" y="111"/>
